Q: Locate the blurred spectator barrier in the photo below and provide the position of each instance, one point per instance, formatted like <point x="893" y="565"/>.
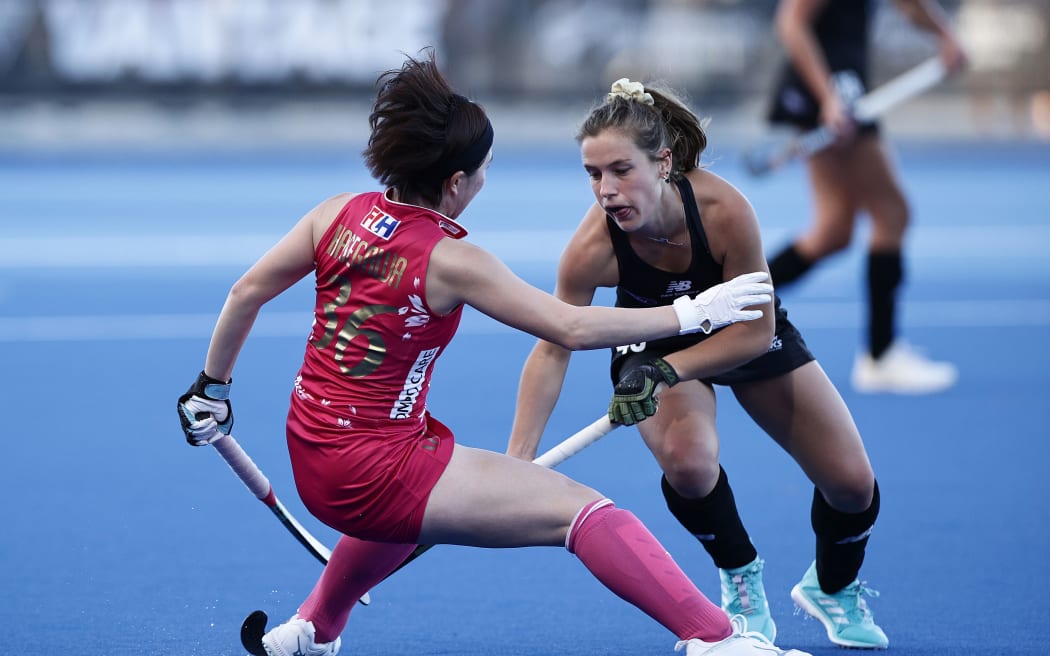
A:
<point x="535" y="49"/>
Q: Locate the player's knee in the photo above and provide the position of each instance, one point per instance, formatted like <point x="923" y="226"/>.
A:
<point x="693" y="479"/>
<point x="838" y="241"/>
<point x="593" y="511"/>
<point x="837" y="524"/>
<point x="574" y="494"/>
<point x="892" y="216"/>
<point x="834" y="237"/>
<point x="689" y="464"/>
<point x="851" y="494"/>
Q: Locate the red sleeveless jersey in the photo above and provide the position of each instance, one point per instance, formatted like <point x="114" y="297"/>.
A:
<point x="374" y="340"/>
<point x="365" y="452"/>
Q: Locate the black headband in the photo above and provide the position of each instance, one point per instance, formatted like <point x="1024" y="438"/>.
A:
<point x="466" y="160"/>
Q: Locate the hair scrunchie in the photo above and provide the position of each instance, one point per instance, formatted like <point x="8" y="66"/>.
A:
<point x="624" y="88"/>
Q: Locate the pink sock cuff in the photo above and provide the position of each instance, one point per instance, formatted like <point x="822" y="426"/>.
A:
<point x="580" y="518"/>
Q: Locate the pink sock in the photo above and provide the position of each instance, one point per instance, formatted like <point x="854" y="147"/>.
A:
<point x="354" y="568"/>
<point x="627" y="559"/>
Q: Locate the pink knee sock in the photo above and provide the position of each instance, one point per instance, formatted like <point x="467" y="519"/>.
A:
<point x="354" y="568"/>
<point x="627" y="559"/>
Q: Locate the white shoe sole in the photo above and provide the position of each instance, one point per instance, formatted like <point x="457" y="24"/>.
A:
<point x="813" y="611"/>
<point x="886" y="387"/>
<point x="870" y="388"/>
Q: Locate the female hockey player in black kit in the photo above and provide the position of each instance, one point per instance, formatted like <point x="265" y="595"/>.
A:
<point x="661" y="227"/>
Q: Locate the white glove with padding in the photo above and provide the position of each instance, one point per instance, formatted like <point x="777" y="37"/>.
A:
<point x="723" y="304"/>
<point x="205" y="412"/>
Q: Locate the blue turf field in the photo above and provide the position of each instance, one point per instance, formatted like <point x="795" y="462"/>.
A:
<point x="120" y="539"/>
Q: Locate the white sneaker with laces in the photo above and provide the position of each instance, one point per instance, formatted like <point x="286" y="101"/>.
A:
<point x="902" y="370"/>
<point x="740" y="643"/>
<point x="296" y="638"/>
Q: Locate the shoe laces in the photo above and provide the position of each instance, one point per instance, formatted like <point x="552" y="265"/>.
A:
<point x="851" y="598"/>
<point x="746" y="585"/>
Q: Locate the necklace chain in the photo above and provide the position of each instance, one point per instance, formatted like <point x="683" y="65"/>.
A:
<point x="665" y="240"/>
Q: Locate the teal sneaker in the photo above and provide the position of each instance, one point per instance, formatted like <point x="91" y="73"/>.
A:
<point x="845" y="614"/>
<point x="743" y="594"/>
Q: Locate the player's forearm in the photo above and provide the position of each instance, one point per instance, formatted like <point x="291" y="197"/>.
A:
<point x="928" y="15"/>
<point x="729" y="349"/>
<point x="231" y="331"/>
<point x="538" y="391"/>
<point x="592" y="327"/>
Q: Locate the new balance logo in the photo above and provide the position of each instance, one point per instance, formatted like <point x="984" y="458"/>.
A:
<point x="678" y="287"/>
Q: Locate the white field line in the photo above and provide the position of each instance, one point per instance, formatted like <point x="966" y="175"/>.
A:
<point x="806" y="315"/>
<point x="514" y="246"/>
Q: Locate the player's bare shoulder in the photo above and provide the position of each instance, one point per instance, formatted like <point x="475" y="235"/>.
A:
<point x="719" y="201"/>
<point x="728" y="218"/>
<point x="325" y="212"/>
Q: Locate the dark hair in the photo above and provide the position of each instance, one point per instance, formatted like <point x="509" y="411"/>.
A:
<point x="667" y="123"/>
<point x="422" y="131"/>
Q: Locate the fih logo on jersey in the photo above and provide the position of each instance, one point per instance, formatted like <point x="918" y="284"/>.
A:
<point x="379" y="223"/>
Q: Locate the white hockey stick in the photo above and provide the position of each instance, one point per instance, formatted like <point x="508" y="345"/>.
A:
<point x="867" y="108"/>
<point x="575" y="443"/>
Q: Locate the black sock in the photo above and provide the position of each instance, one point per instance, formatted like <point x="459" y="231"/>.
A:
<point x="841" y="540"/>
<point x="788" y="266"/>
<point x="714" y="521"/>
<point x="885" y="273"/>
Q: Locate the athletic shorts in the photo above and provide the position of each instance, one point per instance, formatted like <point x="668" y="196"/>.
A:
<point x="370" y="480"/>
<point x="787" y="352"/>
<point x="793" y="104"/>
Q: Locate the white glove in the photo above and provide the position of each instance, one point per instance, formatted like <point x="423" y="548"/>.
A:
<point x="723" y="304"/>
<point x="208" y="429"/>
<point x="205" y="412"/>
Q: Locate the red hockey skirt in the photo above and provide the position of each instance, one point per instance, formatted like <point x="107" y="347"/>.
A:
<point x="371" y="479"/>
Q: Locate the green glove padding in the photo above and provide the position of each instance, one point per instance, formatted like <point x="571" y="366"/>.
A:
<point x="633" y="398"/>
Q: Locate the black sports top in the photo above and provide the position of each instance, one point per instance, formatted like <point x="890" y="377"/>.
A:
<point x="643" y="285"/>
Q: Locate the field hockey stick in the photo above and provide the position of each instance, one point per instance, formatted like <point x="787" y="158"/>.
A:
<point x="550" y="459"/>
<point x="254" y="626"/>
<point x="760" y="161"/>
<point x="257" y="483"/>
